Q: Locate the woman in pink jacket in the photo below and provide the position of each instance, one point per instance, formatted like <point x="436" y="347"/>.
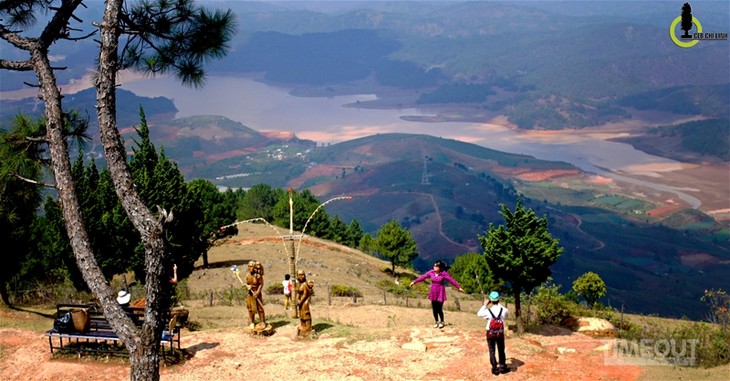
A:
<point x="439" y="276"/>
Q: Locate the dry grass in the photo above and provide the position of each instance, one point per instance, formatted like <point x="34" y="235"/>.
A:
<point x="325" y="263"/>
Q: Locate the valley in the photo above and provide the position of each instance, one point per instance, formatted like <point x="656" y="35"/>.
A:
<point x="329" y="120"/>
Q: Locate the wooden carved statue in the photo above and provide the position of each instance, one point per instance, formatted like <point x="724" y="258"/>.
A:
<point x="255" y="298"/>
<point x="305" y="290"/>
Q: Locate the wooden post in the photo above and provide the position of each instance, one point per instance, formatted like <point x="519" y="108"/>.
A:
<point x="295" y="280"/>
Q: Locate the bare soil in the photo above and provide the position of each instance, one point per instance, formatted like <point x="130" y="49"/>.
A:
<point x="454" y="353"/>
<point x="388" y="343"/>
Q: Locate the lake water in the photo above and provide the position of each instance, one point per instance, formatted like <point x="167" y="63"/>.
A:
<point x="264" y="107"/>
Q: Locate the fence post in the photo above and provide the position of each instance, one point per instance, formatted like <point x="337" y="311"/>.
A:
<point x="354" y="297"/>
<point x="385" y="298"/>
<point x="210" y="299"/>
<point x="329" y="295"/>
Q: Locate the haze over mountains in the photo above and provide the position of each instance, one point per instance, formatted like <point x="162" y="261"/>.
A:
<point x="541" y="65"/>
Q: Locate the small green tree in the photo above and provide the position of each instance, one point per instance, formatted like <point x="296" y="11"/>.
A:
<point x="521" y="252"/>
<point x="472" y="273"/>
<point x="305" y="206"/>
<point x="366" y="243"/>
<point x="217" y="210"/>
<point x="258" y="202"/>
<point x="590" y="286"/>
<point x="396" y="244"/>
<point x="338" y="230"/>
<point x="353" y="234"/>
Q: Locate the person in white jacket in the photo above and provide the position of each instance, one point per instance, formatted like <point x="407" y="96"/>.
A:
<point x="495" y="314"/>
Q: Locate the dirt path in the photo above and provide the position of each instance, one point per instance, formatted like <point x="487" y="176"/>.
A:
<point x="388" y="346"/>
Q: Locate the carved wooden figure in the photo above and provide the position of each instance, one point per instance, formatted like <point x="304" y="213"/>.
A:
<point x="305" y="289"/>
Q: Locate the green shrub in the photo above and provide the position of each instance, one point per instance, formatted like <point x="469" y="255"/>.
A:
<point x="340" y="290"/>
<point x="231" y="296"/>
<point x="552" y="307"/>
<point x="711" y="348"/>
<point x="275" y="289"/>
<point x="182" y="292"/>
<point x="391" y="287"/>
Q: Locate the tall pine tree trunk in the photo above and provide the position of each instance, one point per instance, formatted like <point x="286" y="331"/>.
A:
<point x="61" y="166"/>
<point x="518" y="311"/>
<point x="144" y="358"/>
<point x="143" y="351"/>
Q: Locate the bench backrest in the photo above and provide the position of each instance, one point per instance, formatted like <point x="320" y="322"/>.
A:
<point x="96" y="316"/>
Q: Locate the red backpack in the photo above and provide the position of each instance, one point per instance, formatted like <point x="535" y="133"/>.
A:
<point x="496" y="326"/>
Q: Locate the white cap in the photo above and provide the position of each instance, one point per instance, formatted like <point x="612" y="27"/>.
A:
<point x="123" y="297"/>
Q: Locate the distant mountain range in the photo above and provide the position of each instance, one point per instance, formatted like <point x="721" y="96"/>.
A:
<point x="546" y="65"/>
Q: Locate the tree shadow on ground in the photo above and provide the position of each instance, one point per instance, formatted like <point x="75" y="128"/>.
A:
<point x="550" y="330"/>
<point x="241" y="263"/>
<point x="39" y="313"/>
<point x="319" y="327"/>
<point x="192" y="350"/>
<point x="279" y="323"/>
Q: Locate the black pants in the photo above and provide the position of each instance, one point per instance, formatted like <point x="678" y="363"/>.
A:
<point x="499" y="342"/>
<point x="438" y="311"/>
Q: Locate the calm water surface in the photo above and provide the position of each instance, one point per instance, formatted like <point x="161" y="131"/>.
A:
<point x="264" y="107"/>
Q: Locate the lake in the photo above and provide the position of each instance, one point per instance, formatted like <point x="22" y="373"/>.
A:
<point x="264" y="107"/>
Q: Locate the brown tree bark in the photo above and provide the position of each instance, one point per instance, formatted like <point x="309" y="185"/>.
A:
<point x="143" y="347"/>
<point x="143" y="343"/>
<point x="518" y="311"/>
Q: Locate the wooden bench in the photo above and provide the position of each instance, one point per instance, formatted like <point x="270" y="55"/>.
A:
<point x="100" y="337"/>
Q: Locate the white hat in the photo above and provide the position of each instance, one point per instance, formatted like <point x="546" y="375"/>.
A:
<point x="123" y="297"/>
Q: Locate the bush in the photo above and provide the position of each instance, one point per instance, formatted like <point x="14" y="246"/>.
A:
<point x="391" y="287"/>
<point x="182" y="292"/>
<point x="231" y="296"/>
<point x="340" y="290"/>
<point x="275" y="289"/>
<point x="551" y="306"/>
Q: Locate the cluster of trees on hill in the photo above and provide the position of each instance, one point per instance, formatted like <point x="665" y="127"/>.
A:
<point x="43" y="253"/>
<point x="709" y="100"/>
<point x="706" y="137"/>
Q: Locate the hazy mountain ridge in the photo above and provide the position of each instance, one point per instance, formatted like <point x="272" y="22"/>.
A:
<point x="385" y="176"/>
<point x="590" y="54"/>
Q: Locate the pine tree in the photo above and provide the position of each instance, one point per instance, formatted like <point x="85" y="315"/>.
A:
<point x="396" y="244"/>
<point x="521" y="252"/>
<point x="157" y="36"/>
